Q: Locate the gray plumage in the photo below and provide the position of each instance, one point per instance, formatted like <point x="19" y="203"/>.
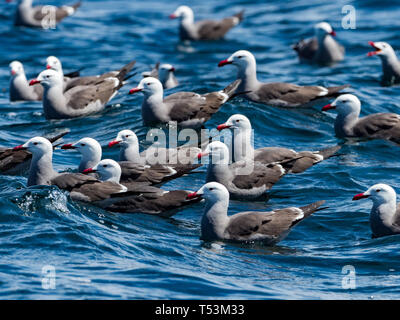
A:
<point x="188" y="109"/>
<point x="375" y="126"/>
<point x="205" y="29"/>
<point x="38" y="16"/>
<point x="108" y="194"/>
<point x="390" y="62"/>
<point x="19" y="85"/>
<point x="17" y="162"/>
<point x="243" y="179"/>
<point x="291" y="160"/>
<point x="164" y="73"/>
<point x="266" y="227"/>
<point x="80" y="100"/>
<point x="277" y="94"/>
<point x="323" y="49"/>
<point x="384" y="218"/>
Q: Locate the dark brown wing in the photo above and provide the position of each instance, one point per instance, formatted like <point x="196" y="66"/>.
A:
<point x="214" y="30"/>
<point x="42" y="12"/>
<point x="273" y="224"/>
<point x="10" y="159"/>
<point x="82" y="97"/>
<point x="71" y="181"/>
<point x="164" y="204"/>
<point x="193" y="106"/>
<point x="290" y="93"/>
<point x="261" y="175"/>
<point x="306" y="49"/>
<point x="379" y="126"/>
<point x="132" y="172"/>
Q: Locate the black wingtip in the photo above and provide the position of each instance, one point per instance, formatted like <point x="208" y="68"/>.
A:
<point x="57" y="137"/>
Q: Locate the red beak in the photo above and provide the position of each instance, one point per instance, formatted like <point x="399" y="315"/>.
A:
<point x="13" y="72"/>
<point x="48" y="67"/>
<point x="20" y="147"/>
<point x="172" y="69"/>
<point x="33" y="82"/>
<point x="134" y="90"/>
<point x="223" y="126"/>
<point x="328" y="107"/>
<point x="193" y="195"/>
<point x="202" y="154"/>
<point x="172" y="16"/>
<point x="333" y="33"/>
<point x="360" y="196"/>
<point x="113" y="143"/>
<point x="224" y="62"/>
<point x="88" y="170"/>
<point x="68" y="146"/>
<point x="372" y="53"/>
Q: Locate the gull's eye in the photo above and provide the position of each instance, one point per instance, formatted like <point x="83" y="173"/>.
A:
<point x="211" y="189"/>
<point x="82" y="144"/>
<point x="240" y="57"/>
<point x="378" y="190"/>
<point x="104" y="166"/>
<point x="127" y="136"/>
<point x="35" y="143"/>
<point x="237" y="120"/>
<point x="148" y="83"/>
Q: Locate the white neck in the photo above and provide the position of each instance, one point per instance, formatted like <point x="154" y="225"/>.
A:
<point x="248" y="75"/>
<point x="242" y="147"/>
<point x="129" y="153"/>
<point x="89" y="160"/>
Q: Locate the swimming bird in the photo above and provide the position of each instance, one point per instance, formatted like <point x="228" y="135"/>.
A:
<point x="108" y="192"/>
<point x="244" y="179"/>
<point x="165" y="73"/>
<point x="19" y="85"/>
<point x="132" y="171"/>
<point x="390" y="63"/>
<point x="322" y="49"/>
<point x="295" y="162"/>
<point x="78" y="101"/>
<point x="250" y="226"/>
<point x="275" y="93"/>
<point x="54" y="63"/>
<point x="17" y="162"/>
<point x="176" y="157"/>
<point x="385" y="213"/>
<point x="374" y="126"/>
<point x="205" y="29"/>
<point x="74" y="79"/>
<point x="188" y="109"/>
<point x="42" y="16"/>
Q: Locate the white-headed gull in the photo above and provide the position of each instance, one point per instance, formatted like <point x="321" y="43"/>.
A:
<point x="188" y="109"/>
<point x="275" y="93"/>
<point x="323" y="48"/>
<point x="385" y="213"/>
<point x="374" y="126"/>
<point x="205" y="29"/>
<point x="250" y="226"/>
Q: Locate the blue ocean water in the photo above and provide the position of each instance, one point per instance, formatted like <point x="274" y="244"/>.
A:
<point x="99" y="255"/>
